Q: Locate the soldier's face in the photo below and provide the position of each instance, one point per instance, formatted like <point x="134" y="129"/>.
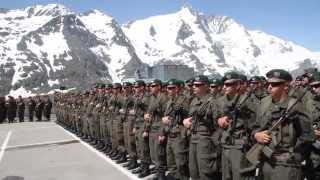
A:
<point x="200" y="88"/>
<point x="214" y="88"/>
<point x="277" y="89"/>
<point x="172" y="90"/>
<point x="155" y="88"/>
<point x="231" y="88"/>
<point x="316" y="89"/>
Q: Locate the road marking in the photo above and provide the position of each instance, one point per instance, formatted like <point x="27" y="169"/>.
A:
<point x="48" y="143"/>
<point x="4" y="145"/>
<point x="103" y="156"/>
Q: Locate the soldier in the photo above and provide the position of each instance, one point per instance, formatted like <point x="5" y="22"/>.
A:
<point x="215" y="87"/>
<point x="257" y="88"/>
<point x="123" y="125"/>
<point x="11" y="109"/>
<point x="114" y="107"/>
<point x="153" y="122"/>
<point x="173" y="132"/>
<point x="39" y="108"/>
<point x="290" y="140"/>
<point x="31" y="108"/>
<point x="313" y="163"/>
<point x="140" y="146"/>
<point x="203" y="151"/>
<point x="236" y="116"/>
<point x="47" y="108"/>
<point x="20" y="108"/>
<point x="3" y="109"/>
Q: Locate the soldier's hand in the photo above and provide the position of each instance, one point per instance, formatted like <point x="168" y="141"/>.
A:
<point x="262" y="137"/>
<point x="121" y="110"/>
<point x="166" y="120"/>
<point x="145" y="134"/>
<point x="317" y="133"/>
<point x="147" y="116"/>
<point x="187" y="122"/>
<point x="161" y="139"/>
<point x="132" y="111"/>
<point x="224" y="122"/>
<point x="134" y="130"/>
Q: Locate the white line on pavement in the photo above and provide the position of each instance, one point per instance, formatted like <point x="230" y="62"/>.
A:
<point x="47" y="143"/>
<point x="100" y="154"/>
<point x="4" y="145"/>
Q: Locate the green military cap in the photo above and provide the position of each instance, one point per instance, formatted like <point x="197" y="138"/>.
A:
<point x="109" y="85"/>
<point x="278" y="75"/>
<point x="116" y="85"/>
<point x="201" y="79"/>
<point x="164" y="84"/>
<point x="139" y="83"/>
<point x="243" y="77"/>
<point x="315" y="79"/>
<point x="126" y="84"/>
<point x="308" y="72"/>
<point x="190" y="81"/>
<point x="255" y="79"/>
<point x="102" y="85"/>
<point x="181" y="83"/>
<point x="299" y="78"/>
<point x="216" y="82"/>
<point x="156" y="81"/>
<point x="173" y="82"/>
<point x="231" y="76"/>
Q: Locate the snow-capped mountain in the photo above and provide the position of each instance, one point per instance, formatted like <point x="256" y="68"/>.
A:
<point x="45" y="46"/>
<point x="212" y="44"/>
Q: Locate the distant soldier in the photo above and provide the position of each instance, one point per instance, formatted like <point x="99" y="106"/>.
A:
<point x="313" y="105"/>
<point x="31" y="108"/>
<point x="47" y="108"/>
<point x="39" y="108"/>
<point x="289" y="142"/>
<point x="11" y="109"/>
<point x="21" y="108"/>
<point x="3" y="109"/>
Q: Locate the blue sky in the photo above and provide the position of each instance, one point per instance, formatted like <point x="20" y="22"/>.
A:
<point x="293" y="20"/>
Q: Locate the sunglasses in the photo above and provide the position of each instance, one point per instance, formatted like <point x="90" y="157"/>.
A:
<point x="276" y="84"/>
<point x="171" y="88"/>
<point x="213" y="87"/>
<point x="198" y="85"/>
<point x="316" y="86"/>
<point x="229" y="84"/>
<point x="136" y="86"/>
<point x="154" y="85"/>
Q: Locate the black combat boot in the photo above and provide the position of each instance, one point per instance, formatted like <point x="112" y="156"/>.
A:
<point x="133" y="165"/>
<point x="122" y="159"/>
<point x="145" y="171"/>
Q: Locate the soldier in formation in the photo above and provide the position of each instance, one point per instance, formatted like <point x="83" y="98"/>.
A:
<point x="230" y="128"/>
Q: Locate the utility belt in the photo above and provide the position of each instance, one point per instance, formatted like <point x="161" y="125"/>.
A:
<point x="285" y="159"/>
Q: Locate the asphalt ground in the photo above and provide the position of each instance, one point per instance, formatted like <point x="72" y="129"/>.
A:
<point x="46" y="151"/>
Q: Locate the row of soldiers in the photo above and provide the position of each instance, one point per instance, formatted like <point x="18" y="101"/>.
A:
<point x="230" y="128"/>
<point x="11" y="108"/>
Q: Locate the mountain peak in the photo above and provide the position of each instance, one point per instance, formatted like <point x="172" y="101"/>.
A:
<point x="186" y="9"/>
<point x="48" y="10"/>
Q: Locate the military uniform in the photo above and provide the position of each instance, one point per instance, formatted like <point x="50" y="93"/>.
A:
<point x="47" y="109"/>
<point x="20" y="109"/>
<point x="31" y="108"/>
<point x="11" y="107"/>
<point x="203" y="150"/>
<point x="291" y="140"/>
<point x="3" y="110"/>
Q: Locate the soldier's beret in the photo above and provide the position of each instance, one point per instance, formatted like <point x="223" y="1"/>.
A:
<point x="108" y="86"/>
<point x="231" y="76"/>
<point x="181" y="83"/>
<point x="117" y="85"/>
<point x="126" y="84"/>
<point x="308" y="72"/>
<point x="243" y="77"/>
<point x="156" y="81"/>
<point x="164" y="84"/>
<point x="299" y="78"/>
<point x="102" y="85"/>
<point x="201" y="79"/>
<point x="173" y="82"/>
<point x="139" y="83"/>
<point x="216" y="82"/>
<point x="190" y="81"/>
<point x="315" y="79"/>
<point x="255" y="79"/>
<point x="278" y="75"/>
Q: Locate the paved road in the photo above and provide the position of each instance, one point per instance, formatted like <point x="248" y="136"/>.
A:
<point x="45" y="151"/>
